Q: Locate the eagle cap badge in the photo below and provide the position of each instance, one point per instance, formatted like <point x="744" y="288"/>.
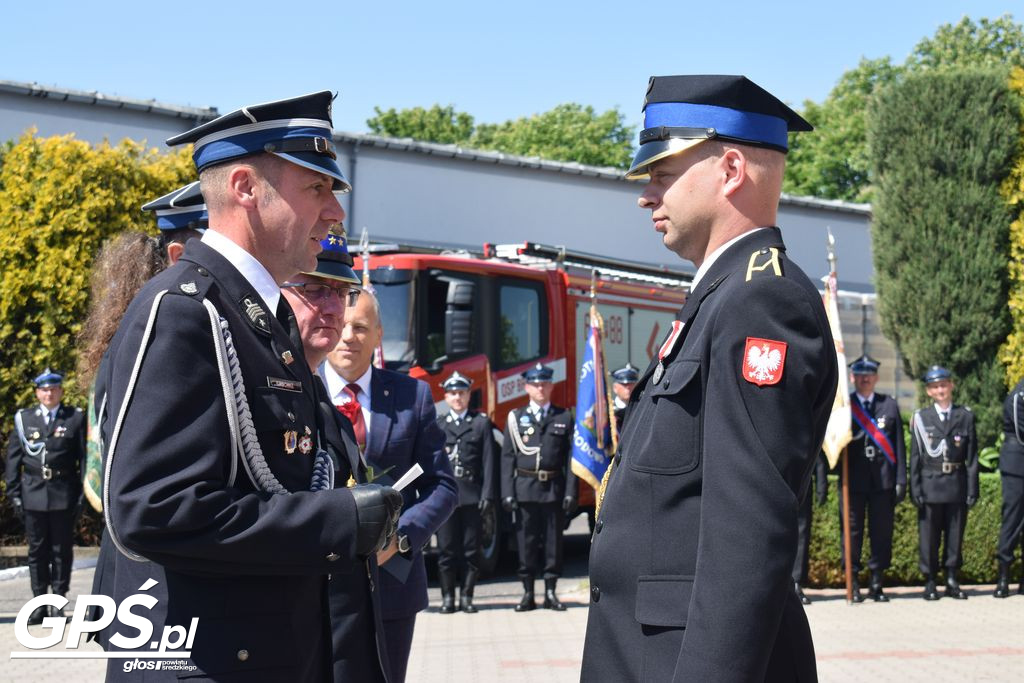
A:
<point x="763" y="361"/>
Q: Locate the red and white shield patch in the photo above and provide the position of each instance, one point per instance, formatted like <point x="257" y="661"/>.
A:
<point x="763" y="361"/>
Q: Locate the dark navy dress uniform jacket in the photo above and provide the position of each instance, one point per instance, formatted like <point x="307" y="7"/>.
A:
<point x="64" y="440"/>
<point x="878" y="474"/>
<point x="927" y="478"/>
<point x="691" y="558"/>
<point x="250" y="566"/>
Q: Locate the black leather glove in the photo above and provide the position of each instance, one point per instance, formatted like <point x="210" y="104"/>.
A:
<point x="377" y="511"/>
<point x="901" y="493"/>
<point x="485" y="505"/>
<point x="510" y="504"/>
<point x="569" y="505"/>
<point x="918" y="501"/>
<point x="971" y="500"/>
<point x="19" y="509"/>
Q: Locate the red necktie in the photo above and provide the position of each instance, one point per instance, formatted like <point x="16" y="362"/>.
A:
<point x="354" y="412"/>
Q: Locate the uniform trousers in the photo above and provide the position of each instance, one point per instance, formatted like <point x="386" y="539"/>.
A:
<point x="398" y="637"/>
<point x="878" y="507"/>
<point x="938" y="520"/>
<point x="803" y="539"/>
<point x="539" y="534"/>
<point x="49" y="537"/>
<point x="458" y="541"/>
<point x="1011" y="531"/>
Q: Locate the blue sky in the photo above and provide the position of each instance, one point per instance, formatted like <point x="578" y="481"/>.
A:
<point x="494" y="60"/>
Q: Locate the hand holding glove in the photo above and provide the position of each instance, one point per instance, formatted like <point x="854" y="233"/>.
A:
<point x="510" y="504"/>
<point x="377" y="510"/>
<point x="569" y="505"/>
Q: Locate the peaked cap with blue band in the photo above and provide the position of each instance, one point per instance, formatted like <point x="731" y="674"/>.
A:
<point x="298" y="129"/>
<point x="538" y="373"/>
<point x="626" y="374"/>
<point x="936" y="373"/>
<point x="181" y="209"/>
<point x="334" y="262"/>
<point x="456" y="382"/>
<point x="49" y="378"/>
<point x="682" y="111"/>
<point x="865" y="365"/>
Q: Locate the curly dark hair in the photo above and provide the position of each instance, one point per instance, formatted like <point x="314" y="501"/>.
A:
<point x="123" y="265"/>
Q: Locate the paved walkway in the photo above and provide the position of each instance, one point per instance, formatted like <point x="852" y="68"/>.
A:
<point x="907" y="640"/>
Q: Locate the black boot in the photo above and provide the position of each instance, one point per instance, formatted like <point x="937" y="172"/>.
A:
<point x="37" y="616"/>
<point x="804" y="600"/>
<point x="57" y="611"/>
<point x="1003" y="582"/>
<point x="857" y="595"/>
<point x="447" y="579"/>
<point x="875" y="589"/>
<point x="466" y="599"/>
<point x="550" y="599"/>
<point x="930" y="591"/>
<point x="527" y="603"/>
<point x="953" y="587"/>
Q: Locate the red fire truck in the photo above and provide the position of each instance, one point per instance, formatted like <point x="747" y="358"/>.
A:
<point x="492" y="314"/>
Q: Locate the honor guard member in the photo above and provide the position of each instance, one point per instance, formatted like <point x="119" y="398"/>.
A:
<point x="319" y="299"/>
<point x="878" y="475"/>
<point x="805" y="520"/>
<point x="538" y="485"/>
<point x="944" y="479"/>
<point x="216" y="472"/>
<point x="45" y="457"/>
<point x="1011" y="470"/>
<point x="469" y="442"/>
<point x="692" y="554"/>
<point x="623" y="381"/>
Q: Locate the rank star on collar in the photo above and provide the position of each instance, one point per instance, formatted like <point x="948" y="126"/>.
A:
<point x="763" y="361"/>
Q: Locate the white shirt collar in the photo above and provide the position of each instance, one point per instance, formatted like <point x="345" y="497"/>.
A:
<point x="459" y="416"/>
<point x="866" y="399"/>
<point x="940" y="411"/>
<point x="710" y="260"/>
<point x="336" y="383"/>
<point x="534" y="407"/>
<point x="246" y="264"/>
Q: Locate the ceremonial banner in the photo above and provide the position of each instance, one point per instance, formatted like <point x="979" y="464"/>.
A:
<point x="838" y="433"/>
<point x="592" y="434"/>
<point x="364" y="246"/>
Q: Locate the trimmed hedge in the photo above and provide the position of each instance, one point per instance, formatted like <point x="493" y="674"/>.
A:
<point x="979" y="549"/>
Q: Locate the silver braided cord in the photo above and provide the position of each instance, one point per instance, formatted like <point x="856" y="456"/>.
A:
<point x="926" y="444"/>
<point x="252" y="452"/>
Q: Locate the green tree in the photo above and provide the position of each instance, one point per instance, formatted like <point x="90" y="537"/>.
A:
<point x="942" y="142"/>
<point x="437" y="124"/>
<point x="568" y="132"/>
<point x="832" y="162"/>
<point x="1012" y="352"/>
<point x="60" y="198"/>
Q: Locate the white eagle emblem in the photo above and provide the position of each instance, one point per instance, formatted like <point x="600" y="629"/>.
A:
<point x="762" y="362"/>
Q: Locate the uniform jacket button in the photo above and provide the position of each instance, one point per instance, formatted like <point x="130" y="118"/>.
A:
<point x="333" y="557"/>
<point x="595" y="593"/>
<point x="598" y="526"/>
<point x="291" y="416"/>
<point x="243" y="655"/>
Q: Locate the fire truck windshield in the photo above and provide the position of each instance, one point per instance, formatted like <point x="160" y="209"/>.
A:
<point x="394" y="292"/>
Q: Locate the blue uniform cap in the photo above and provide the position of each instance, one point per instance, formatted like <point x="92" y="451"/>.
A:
<point x="298" y="129"/>
<point x="456" y="382"/>
<point x="626" y="375"/>
<point x="682" y="111"/>
<point x="181" y="209"/>
<point x="49" y="378"/>
<point x="936" y="373"/>
<point x="538" y="373"/>
<point x="334" y="262"/>
<point x="865" y="365"/>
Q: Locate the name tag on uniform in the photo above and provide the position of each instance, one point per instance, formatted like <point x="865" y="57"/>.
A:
<point x="284" y="384"/>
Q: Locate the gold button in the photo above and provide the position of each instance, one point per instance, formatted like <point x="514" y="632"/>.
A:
<point x="243" y="655"/>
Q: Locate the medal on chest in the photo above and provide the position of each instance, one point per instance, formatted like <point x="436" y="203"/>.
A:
<point x="60" y="431"/>
<point x="674" y="338"/>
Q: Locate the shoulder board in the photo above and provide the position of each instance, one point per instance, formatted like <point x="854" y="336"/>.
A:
<point x="967" y="408"/>
<point x="194" y="281"/>
<point x="764" y="261"/>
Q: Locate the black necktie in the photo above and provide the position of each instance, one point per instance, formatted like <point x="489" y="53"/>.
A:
<point x="286" y="317"/>
<point x="869" y="407"/>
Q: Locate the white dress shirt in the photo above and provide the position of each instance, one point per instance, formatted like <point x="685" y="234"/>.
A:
<point x="710" y="260"/>
<point x="336" y="388"/>
<point x="246" y="264"/>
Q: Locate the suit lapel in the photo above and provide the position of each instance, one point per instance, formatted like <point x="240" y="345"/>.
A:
<point x="382" y="404"/>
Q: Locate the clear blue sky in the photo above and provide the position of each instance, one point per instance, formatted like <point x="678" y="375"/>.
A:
<point x="494" y="60"/>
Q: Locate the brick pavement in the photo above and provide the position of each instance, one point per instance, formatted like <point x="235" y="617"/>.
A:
<point x="907" y="640"/>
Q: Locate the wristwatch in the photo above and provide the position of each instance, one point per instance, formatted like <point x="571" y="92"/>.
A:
<point x="403" y="544"/>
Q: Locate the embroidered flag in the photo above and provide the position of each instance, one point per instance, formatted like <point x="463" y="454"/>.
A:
<point x="763" y="361"/>
<point x="592" y="435"/>
<point x="837" y="433"/>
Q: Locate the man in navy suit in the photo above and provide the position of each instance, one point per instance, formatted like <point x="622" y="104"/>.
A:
<point x="396" y="426"/>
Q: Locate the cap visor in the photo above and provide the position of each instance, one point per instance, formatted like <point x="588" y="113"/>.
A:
<point x="320" y="164"/>
<point x="333" y="270"/>
<point x="657" y="150"/>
